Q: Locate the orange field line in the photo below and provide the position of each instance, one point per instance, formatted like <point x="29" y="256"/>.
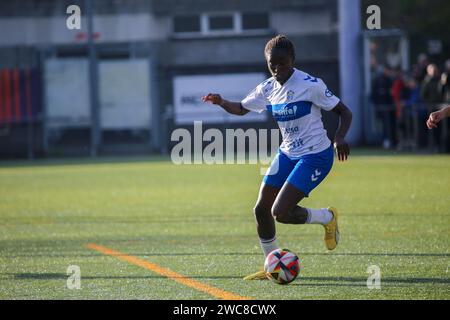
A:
<point x="215" y="292"/>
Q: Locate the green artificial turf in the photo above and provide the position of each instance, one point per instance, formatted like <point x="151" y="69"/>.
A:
<point x="197" y="220"/>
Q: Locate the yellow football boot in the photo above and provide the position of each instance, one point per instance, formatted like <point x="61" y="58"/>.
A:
<point x="331" y="230"/>
<point x="260" y="275"/>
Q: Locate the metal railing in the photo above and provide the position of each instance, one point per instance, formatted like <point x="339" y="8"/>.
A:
<point x="406" y="128"/>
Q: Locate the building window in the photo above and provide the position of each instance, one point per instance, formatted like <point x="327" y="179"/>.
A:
<point x="221" y="22"/>
<point x="186" y="23"/>
<point x="255" y="21"/>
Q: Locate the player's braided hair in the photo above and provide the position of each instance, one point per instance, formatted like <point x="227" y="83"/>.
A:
<point x="280" y="42"/>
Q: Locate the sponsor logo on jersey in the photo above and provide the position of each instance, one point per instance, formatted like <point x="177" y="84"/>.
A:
<point x="290" y="111"/>
<point x="285" y="111"/>
<point x="290" y="130"/>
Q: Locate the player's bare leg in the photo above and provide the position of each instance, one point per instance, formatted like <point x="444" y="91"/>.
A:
<point x="265" y="224"/>
<point x="286" y="210"/>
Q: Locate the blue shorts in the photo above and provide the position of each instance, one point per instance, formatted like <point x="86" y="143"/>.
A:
<point x="305" y="173"/>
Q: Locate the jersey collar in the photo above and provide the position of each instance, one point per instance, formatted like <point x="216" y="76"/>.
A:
<point x="287" y="81"/>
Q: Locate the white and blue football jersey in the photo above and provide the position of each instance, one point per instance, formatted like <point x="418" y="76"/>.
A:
<point x="295" y="105"/>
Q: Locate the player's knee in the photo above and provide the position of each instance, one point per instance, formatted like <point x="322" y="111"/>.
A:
<point x="260" y="211"/>
<point x="279" y="214"/>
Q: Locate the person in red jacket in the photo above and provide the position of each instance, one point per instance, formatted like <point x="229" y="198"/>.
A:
<point x="397" y="92"/>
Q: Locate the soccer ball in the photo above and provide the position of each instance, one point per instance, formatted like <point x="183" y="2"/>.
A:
<point x="282" y="266"/>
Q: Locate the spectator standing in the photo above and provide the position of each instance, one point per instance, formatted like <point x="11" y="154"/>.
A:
<point x="445" y="82"/>
<point x="382" y="100"/>
<point x="430" y="92"/>
<point x="431" y="95"/>
<point x="421" y="69"/>
<point x="399" y="94"/>
<point x="408" y="125"/>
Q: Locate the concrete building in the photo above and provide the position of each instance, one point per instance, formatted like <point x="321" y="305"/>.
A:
<point x="146" y="51"/>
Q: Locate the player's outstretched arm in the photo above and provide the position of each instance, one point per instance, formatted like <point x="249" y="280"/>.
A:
<point x="229" y="106"/>
<point x="437" y="116"/>
<point x="341" y="146"/>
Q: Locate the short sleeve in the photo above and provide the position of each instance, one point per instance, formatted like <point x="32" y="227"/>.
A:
<point x="255" y="100"/>
<point x="323" y="97"/>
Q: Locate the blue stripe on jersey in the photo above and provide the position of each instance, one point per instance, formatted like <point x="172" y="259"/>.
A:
<point x="289" y="111"/>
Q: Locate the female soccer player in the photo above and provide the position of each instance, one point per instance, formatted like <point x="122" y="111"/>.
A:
<point x="305" y="156"/>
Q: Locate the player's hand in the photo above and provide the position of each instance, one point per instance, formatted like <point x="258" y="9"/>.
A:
<point x="342" y="148"/>
<point x="434" y="119"/>
<point x="213" y="98"/>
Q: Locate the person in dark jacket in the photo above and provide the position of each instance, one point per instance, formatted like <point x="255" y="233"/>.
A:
<point x="382" y="101"/>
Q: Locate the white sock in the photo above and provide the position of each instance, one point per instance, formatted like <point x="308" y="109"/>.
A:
<point x="268" y="246"/>
<point x="319" y="216"/>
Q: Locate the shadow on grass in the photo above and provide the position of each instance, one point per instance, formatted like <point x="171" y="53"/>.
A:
<point x="362" y="282"/>
<point x="302" y="281"/>
<point x="380" y="254"/>
<point x="170" y="254"/>
<point x="67" y="161"/>
<point x="63" y="276"/>
<point x="58" y="160"/>
<point x="137" y="254"/>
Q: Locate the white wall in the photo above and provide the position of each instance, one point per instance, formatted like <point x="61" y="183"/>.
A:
<point x="301" y="23"/>
<point x="112" y="28"/>
<point x="136" y="27"/>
